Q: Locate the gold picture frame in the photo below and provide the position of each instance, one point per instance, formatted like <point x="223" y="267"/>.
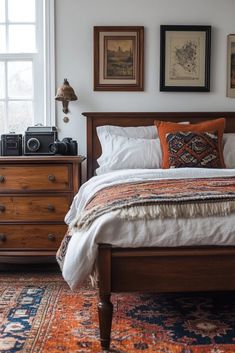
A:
<point x="119" y="58"/>
<point x="231" y="65"/>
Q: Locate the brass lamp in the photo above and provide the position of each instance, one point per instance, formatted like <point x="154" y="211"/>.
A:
<point x="65" y="94"/>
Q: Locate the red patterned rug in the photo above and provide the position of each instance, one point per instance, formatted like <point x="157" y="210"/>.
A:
<point x="40" y="314"/>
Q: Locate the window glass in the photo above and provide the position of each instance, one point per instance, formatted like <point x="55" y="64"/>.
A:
<point x="20" y="79"/>
<point x="2" y="10"/>
<point x="2" y="38"/>
<point x="21" y="38"/>
<point x="26" y="32"/>
<point x="2" y="80"/>
<point x="17" y="10"/>
<point x="20" y="116"/>
<point x="2" y="118"/>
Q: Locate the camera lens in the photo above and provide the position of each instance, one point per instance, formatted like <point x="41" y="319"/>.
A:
<point x="33" y="144"/>
<point x="52" y="148"/>
<point x="58" y="147"/>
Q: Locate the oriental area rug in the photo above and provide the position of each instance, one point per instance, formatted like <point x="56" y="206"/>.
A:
<point x="40" y="314"/>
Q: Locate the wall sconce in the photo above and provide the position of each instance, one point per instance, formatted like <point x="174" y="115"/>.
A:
<point x="65" y="94"/>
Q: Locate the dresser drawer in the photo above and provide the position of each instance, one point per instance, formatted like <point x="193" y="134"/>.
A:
<point x="43" y="237"/>
<point x="31" y="177"/>
<point x="35" y="195"/>
<point x="33" y="208"/>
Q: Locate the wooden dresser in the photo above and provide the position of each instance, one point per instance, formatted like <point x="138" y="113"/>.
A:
<point x="35" y="194"/>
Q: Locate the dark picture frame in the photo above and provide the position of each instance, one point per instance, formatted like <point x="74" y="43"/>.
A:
<point x="231" y="65"/>
<point x="185" y="52"/>
<point x="118" y="58"/>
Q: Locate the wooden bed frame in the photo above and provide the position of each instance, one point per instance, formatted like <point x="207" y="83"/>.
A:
<point x="210" y="268"/>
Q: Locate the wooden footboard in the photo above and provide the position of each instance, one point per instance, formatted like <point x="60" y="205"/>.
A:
<point x="160" y="270"/>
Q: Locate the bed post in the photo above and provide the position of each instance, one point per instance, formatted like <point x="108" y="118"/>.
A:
<point x="105" y="307"/>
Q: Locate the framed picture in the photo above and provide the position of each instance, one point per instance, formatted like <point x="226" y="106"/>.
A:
<point x="185" y="58"/>
<point x="119" y="58"/>
<point x="231" y="66"/>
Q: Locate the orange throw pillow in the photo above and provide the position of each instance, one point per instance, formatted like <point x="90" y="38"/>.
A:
<point x="192" y="145"/>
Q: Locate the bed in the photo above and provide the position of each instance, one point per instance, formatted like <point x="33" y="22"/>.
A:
<point x="155" y="269"/>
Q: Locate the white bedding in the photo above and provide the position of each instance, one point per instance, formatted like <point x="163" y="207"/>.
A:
<point x="82" y="249"/>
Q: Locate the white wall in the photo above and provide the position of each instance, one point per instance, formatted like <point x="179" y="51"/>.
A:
<point x="74" y="55"/>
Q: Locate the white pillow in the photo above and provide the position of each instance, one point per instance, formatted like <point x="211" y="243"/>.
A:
<point x="130" y="153"/>
<point x="142" y="132"/>
<point x="104" y="132"/>
<point x="229" y="150"/>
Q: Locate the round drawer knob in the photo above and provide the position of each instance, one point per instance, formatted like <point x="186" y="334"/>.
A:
<point x="51" y="178"/>
<point x="2" y="208"/>
<point x="51" y="237"/>
<point x="51" y="208"/>
<point x="2" y="178"/>
<point x="3" y="237"/>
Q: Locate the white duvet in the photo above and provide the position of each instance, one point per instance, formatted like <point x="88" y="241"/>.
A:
<point x="82" y="249"/>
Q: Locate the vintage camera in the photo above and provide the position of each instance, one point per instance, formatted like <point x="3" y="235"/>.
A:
<point x="67" y="146"/>
<point x="37" y="139"/>
<point x="11" y="144"/>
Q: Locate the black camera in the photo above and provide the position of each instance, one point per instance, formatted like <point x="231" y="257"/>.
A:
<point x="67" y="146"/>
<point x="38" y="139"/>
<point x="11" y="144"/>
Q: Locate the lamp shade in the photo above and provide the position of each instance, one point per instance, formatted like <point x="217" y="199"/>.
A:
<point x="65" y="94"/>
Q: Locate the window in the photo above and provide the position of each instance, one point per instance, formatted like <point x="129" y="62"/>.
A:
<point x="26" y="54"/>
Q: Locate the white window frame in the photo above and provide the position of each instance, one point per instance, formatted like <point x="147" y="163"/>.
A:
<point x="43" y="64"/>
<point x="49" y="62"/>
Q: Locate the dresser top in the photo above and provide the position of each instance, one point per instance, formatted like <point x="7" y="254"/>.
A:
<point x="40" y="159"/>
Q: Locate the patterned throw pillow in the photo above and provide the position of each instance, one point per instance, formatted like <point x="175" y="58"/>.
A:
<point x="193" y="145"/>
<point x="193" y="150"/>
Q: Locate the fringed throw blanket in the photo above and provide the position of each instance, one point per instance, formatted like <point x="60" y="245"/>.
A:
<point x="162" y="198"/>
<point x="201" y="197"/>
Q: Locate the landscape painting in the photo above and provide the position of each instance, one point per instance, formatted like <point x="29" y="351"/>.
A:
<point x="231" y="66"/>
<point x="119" y="58"/>
<point x="232" y="74"/>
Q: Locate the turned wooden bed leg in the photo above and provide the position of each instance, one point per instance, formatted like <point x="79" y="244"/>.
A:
<point x="105" y="309"/>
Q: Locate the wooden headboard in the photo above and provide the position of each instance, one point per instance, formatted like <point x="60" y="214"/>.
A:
<point x="140" y="119"/>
